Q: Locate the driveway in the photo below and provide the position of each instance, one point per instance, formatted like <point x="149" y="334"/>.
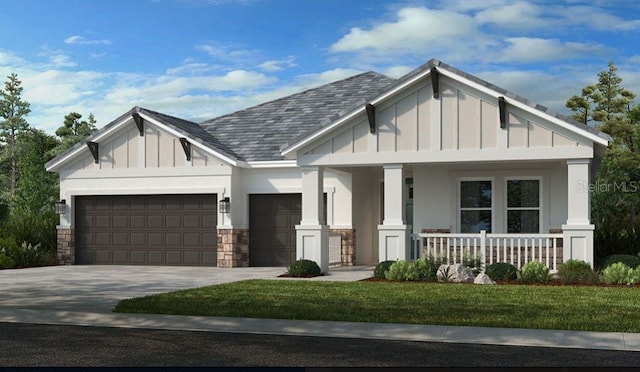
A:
<point x="98" y="289"/>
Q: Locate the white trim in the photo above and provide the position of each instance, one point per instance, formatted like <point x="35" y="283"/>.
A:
<point x="272" y="164"/>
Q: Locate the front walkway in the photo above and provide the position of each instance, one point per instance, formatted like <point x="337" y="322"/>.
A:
<point x="85" y="295"/>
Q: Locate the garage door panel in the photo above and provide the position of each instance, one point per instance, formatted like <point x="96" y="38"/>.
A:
<point x="155" y="221"/>
<point x="173" y="222"/>
<point x="192" y="257"/>
<point x="192" y="221"/>
<point x="156" y="230"/>
<point x="156" y="239"/>
<point x="280" y="240"/>
<point x="138" y="257"/>
<point x="138" y="239"/>
<point x="138" y="222"/>
<point x="156" y="257"/>
<point x="120" y="221"/>
<point x="173" y="257"/>
<point x="121" y="257"/>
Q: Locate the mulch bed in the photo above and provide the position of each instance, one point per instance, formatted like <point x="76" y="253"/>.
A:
<point x="555" y="283"/>
<point x="287" y="275"/>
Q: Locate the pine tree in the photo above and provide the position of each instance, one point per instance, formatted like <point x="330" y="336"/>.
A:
<point x="73" y="130"/>
<point x="12" y="122"/>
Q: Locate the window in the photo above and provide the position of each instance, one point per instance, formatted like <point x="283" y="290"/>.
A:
<point x="523" y="206"/>
<point x="475" y="206"/>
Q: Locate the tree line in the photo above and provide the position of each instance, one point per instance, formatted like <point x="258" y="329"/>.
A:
<point x="27" y="191"/>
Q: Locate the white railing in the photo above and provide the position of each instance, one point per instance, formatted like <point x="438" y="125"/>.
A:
<point x="516" y="249"/>
<point x="335" y="249"/>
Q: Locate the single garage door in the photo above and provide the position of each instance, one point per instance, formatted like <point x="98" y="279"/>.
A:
<point x="146" y="230"/>
<point x="272" y="228"/>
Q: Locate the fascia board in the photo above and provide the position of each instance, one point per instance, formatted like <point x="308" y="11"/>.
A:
<point x="352" y="114"/>
<point x="51" y="167"/>
<point x="226" y="159"/>
<point x="525" y="107"/>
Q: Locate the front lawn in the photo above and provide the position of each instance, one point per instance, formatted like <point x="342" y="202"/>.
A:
<point x="511" y="306"/>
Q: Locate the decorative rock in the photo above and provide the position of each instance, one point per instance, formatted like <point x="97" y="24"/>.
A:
<point x="483" y="278"/>
<point x="455" y="274"/>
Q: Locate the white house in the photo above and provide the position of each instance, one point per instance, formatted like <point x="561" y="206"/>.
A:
<point x="344" y="173"/>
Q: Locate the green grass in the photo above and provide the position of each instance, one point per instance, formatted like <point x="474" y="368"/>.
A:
<point x="512" y="306"/>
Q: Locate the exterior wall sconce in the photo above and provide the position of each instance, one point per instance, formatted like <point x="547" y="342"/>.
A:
<point x="225" y="205"/>
<point x="60" y="207"/>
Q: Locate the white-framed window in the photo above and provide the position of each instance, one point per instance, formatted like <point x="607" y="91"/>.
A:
<point x="475" y="205"/>
<point x="523" y="203"/>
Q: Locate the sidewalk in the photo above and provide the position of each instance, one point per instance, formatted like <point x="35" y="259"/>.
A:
<point x="382" y="331"/>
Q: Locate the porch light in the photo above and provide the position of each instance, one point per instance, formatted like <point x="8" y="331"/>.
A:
<point x="60" y="207"/>
<point x="225" y="205"/>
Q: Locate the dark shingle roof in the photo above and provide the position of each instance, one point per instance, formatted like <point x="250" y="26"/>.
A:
<point x="257" y="133"/>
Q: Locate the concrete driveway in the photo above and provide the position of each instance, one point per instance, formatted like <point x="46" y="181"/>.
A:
<point x="98" y="289"/>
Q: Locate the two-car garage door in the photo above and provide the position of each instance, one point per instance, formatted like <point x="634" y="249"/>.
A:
<point x="146" y="230"/>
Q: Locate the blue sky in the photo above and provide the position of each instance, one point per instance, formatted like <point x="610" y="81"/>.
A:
<point x="198" y="59"/>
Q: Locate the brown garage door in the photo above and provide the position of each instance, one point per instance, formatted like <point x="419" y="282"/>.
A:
<point x="146" y="230"/>
<point x="272" y="231"/>
<point x="272" y="228"/>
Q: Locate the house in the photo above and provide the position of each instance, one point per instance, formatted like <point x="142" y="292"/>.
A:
<point x="344" y="173"/>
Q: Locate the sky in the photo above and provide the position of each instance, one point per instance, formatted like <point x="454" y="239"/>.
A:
<point x="199" y="59"/>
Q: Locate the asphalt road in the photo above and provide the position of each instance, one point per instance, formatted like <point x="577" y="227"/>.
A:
<point x="29" y="345"/>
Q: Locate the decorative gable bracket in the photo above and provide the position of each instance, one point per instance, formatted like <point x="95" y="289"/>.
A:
<point x="502" y="107"/>
<point x="139" y="122"/>
<point x="435" y="82"/>
<point x="93" y="147"/>
<point x="186" y="146"/>
<point x="371" y="117"/>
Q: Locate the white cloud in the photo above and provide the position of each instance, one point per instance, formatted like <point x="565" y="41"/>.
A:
<point x="517" y="15"/>
<point x="229" y="52"/>
<point x="278" y="65"/>
<point x="397" y="71"/>
<point x="527" y="50"/>
<point x="77" y="39"/>
<point x="596" y="18"/>
<point x="416" y="30"/>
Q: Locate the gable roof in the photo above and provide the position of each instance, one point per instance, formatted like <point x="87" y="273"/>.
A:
<point x="456" y="74"/>
<point x="182" y="128"/>
<point x="258" y="133"/>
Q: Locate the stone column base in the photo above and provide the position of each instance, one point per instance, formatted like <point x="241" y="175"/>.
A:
<point x="233" y="248"/>
<point x="347" y="245"/>
<point x="66" y="246"/>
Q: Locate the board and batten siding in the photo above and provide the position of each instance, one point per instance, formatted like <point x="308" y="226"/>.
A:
<point x="461" y="119"/>
<point x="156" y="149"/>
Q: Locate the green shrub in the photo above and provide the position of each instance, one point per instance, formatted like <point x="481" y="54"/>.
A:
<point x="501" y="271"/>
<point x="6" y="262"/>
<point x="24" y="255"/>
<point x="576" y="271"/>
<point x="427" y="268"/>
<point x="402" y="271"/>
<point x="382" y="268"/>
<point x="304" y="268"/>
<point x="534" y="272"/>
<point x="618" y="273"/>
<point x="627" y="259"/>
<point x="475" y="263"/>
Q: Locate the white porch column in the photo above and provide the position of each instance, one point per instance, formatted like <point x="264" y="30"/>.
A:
<point x="393" y="243"/>
<point x="578" y="231"/>
<point x="312" y="237"/>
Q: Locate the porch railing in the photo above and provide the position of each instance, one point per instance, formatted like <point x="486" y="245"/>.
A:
<point x="516" y="249"/>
